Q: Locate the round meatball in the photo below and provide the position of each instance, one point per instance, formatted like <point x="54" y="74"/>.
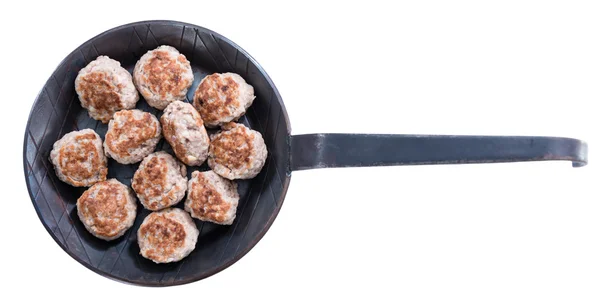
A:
<point x="184" y="131"/>
<point x="160" y="181"/>
<point x="222" y="98"/>
<point x="107" y="209"/>
<point x="212" y="198"/>
<point x="78" y="158"/>
<point x="131" y="136"/>
<point x="168" y="235"/>
<point x="237" y="152"/>
<point x="163" y="75"/>
<point x="104" y="87"/>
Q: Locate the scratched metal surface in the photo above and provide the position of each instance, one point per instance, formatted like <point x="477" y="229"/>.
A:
<point x="57" y="111"/>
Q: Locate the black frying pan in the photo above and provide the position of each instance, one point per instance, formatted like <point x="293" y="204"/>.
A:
<point x="57" y="111"/>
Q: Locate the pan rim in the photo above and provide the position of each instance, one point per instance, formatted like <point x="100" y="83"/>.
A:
<point x="253" y="242"/>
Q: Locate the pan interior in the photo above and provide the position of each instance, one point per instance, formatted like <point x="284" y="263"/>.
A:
<point x="57" y="111"/>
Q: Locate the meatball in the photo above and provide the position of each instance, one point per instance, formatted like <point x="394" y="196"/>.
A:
<point x="212" y="198"/>
<point x="131" y="136"/>
<point x="104" y="87"/>
<point x="237" y="152"/>
<point x="222" y="98"/>
<point x="160" y="181"/>
<point x="184" y="130"/>
<point x="167" y="236"/>
<point x="78" y="158"/>
<point x="107" y="209"/>
<point x="162" y="76"/>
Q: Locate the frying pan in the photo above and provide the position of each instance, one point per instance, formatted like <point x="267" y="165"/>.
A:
<point x="57" y="111"/>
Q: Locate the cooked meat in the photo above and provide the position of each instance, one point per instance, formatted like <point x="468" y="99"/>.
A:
<point x="237" y="152"/>
<point x="212" y="198"/>
<point x="104" y="87"/>
<point x="160" y="181"/>
<point x="184" y="131"/>
<point x="131" y="136"/>
<point x="78" y="158"/>
<point x="222" y="98"/>
<point x="163" y="75"/>
<point x="107" y="209"/>
<point x="168" y="235"/>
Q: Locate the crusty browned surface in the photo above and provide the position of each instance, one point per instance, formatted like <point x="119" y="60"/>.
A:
<point x="163" y="74"/>
<point x="106" y="210"/>
<point x="232" y="149"/>
<point x="97" y="91"/>
<point x="215" y="96"/>
<point x="153" y="178"/>
<point x="164" y="237"/>
<point x="170" y="133"/>
<point x="72" y="158"/>
<point x="206" y="202"/>
<point x="138" y="131"/>
<point x="150" y="182"/>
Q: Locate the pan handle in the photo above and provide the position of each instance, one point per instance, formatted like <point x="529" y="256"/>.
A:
<point x="313" y="151"/>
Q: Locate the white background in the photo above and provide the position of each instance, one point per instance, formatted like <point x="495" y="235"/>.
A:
<point x="502" y="234"/>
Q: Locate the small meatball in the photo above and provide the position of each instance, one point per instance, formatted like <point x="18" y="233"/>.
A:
<point x="237" y="152"/>
<point x="78" y="158"/>
<point x="160" y="181"/>
<point x="222" y="98"/>
<point x="212" y="198"/>
<point x="184" y="131"/>
<point x="107" y="209"/>
<point x="104" y="87"/>
<point x="131" y="136"/>
<point x="162" y="76"/>
<point x="167" y="236"/>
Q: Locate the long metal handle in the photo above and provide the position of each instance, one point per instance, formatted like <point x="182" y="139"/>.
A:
<point x="313" y="151"/>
